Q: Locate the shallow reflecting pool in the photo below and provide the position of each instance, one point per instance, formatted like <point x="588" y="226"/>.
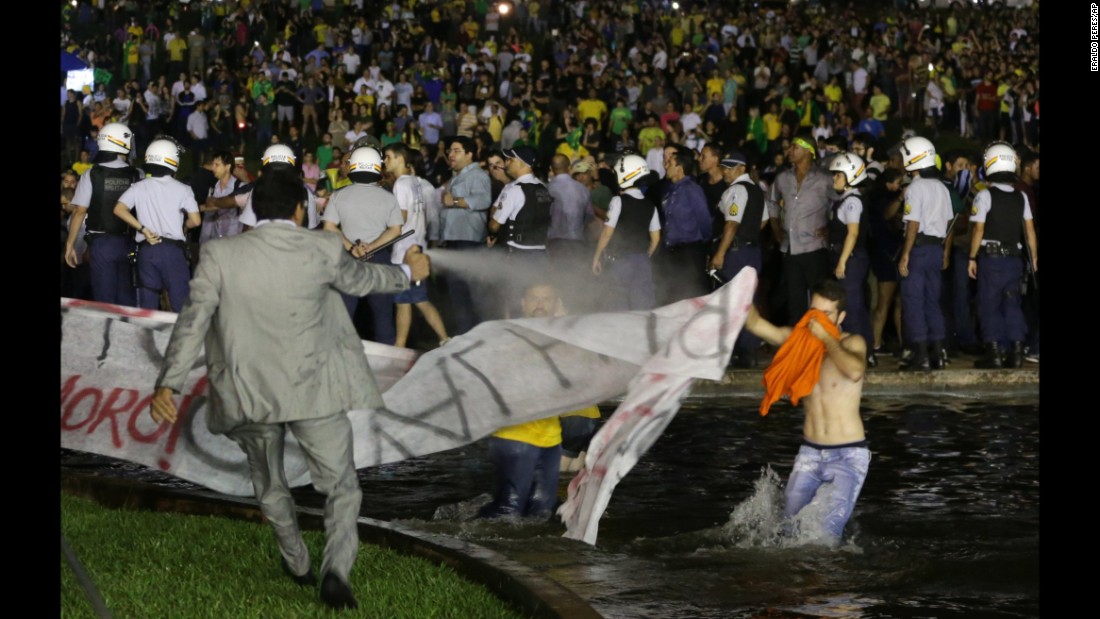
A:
<point x="947" y="524"/>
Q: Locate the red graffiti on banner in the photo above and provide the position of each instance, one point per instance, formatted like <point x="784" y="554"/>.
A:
<point x="107" y="407"/>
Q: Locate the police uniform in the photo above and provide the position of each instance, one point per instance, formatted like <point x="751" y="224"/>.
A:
<point x="523" y="211"/>
<point x="928" y="202"/>
<point x="364" y="211"/>
<point x="633" y="217"/>
<point x="846" y="210"/>
<point x="1000" y="259"/>
<point x="743" y="204"/>
<point x="160" y="204"/>
<point x="109" y="240"/>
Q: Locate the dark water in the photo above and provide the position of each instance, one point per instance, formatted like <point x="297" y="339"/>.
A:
<point x="947" y="524"/>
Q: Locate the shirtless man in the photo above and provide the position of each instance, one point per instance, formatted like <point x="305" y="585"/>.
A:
<point x="834" y="453"/>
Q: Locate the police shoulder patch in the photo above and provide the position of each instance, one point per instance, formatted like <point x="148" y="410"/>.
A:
<point x="733" y="210"/>
<point x="973" y="211"/>
<point x="908" y="208"/>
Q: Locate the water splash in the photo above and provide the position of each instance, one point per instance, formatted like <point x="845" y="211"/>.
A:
<point x="758" y="522"/>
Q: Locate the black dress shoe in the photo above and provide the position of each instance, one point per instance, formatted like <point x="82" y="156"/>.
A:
<point x="336" y="593"/>
<point x="309" y="579"/>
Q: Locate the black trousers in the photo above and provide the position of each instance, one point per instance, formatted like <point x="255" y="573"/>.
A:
<point x="800" y="274"/>
<point x="682" y="272"/>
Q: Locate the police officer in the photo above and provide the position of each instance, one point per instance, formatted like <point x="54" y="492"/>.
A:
<point x="630" y="235"/>
<point x="742" y="208"/>
<point x="367" y="217"/>
<point x="109" y="243"/>
<point x="523" y="207"/>
<point x="161" y="203"/>
<point x="278" y="158"/>
<point x="927" y="215"/>
<point x="523" y="211"/>
<point x="848" y="236"/>
<point x="998" y="215"/>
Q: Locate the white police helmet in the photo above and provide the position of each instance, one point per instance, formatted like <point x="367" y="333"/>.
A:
<point x="365" y="159"/>
<point x="115" y="138"/>
<point x="278" y="153"/>
<point x="918" y="153"/>
<point x="630" y="169"/>
<point x="1000" y="157"/>
<point x="851" y="165"/>
<point x="163" y="153"/>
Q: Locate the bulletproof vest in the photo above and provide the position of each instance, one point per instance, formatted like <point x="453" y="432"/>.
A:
<point x="1005" y="220"/>
<point x="749" y="230"/>
<point x="838" y="230"/>
<point x="532" y="222"/>
<point x="632" y="229"/>
<point x="108" y="185"/>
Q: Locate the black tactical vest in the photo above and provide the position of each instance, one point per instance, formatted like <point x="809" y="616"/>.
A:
<point x="749" y="230"/>
<point x="108" y="185"/>
<point x="838" y="230"/>
<point x="532" y="222"/>
<point x="1005" y="220"/>
<point x="632" y="229"/>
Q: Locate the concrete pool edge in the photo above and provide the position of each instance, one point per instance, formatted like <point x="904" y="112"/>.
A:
<point x="963" y="382"/>
<point x="525" y="589"/>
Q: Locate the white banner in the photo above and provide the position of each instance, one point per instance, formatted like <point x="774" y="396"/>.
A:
<point x="500" y="373"/>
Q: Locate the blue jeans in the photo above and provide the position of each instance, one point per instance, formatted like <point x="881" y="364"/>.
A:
<point x="843" y="469"/>
<point x="526" y="480"/>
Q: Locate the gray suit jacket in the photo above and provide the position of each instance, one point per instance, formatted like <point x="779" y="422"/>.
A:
<point x="280" y="345"/>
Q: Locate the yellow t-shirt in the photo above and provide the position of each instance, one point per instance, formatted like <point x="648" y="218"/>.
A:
<point x="771" y="123"/>
<point x="80" y="167"/>
<point x="175" y="49"/>
<point x="574" y="155"/>
<point x="676" y="36"/>
<point x="880" y="106"/>
<point x="715" y="86"/>
<point x="540" y="433"/>
<point x="834" y="94"/>
<point x="591" y="108"/>
<point x="1001" y="90"/>
<point x="592" y="412"/>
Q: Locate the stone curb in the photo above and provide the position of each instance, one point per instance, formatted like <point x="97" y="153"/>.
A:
<point x="525" y="589"/>
<point x="883" y="382"/>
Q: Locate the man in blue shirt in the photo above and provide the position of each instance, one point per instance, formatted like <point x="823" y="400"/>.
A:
<point x="462" y="220"/>
<point x="687" y="226"/>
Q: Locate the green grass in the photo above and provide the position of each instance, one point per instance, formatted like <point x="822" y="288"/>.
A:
<point x="152" y="564"/>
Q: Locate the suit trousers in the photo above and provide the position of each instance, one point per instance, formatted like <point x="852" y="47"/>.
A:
<point x="327" y="444"/>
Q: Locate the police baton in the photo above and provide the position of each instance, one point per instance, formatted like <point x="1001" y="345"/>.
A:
<point x="368" y="256"/>
<point x="1031" y="274"/>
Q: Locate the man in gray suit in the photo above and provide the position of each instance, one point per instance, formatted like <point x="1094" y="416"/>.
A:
<point x="281" y="352"/>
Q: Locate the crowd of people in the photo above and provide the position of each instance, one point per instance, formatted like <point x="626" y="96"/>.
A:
<point x="877" y="166"/>
<point x="574" y="89"/>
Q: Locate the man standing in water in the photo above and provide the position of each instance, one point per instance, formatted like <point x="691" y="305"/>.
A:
<point x="834" y="457"/>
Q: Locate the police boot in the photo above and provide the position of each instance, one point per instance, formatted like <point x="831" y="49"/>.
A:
<point x="918" y="361"/>
<point x="1015" y="358"/>
<point x="992" y="359"/>
<point x="937" y="356"/>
